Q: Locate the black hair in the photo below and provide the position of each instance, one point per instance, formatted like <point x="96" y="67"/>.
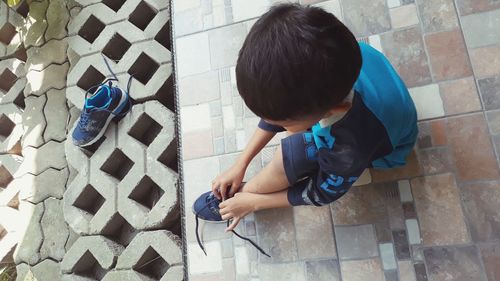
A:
<point x="296" y="60"/>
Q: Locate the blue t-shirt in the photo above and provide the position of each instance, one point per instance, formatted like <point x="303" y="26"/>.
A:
<point x="378" y="131"/>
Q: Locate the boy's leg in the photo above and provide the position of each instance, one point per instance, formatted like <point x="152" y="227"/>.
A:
<point x="270" y="179"/>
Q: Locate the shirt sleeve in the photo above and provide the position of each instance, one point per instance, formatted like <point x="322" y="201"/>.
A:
<point x="318" y="176"/>
<point x="269" y="127"/>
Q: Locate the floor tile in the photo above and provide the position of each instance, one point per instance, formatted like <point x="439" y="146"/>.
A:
<point x="406" y="271"/>
<point x="457" y="264"/>
<point x="362" y="270"/>
<point x="199" y="263"/>
<point x="481" y="202"/>
<point x="417" y="253"/>
<point x="193" y="148"/>
<point x="413" y="231"/>
<point x="437" y="15"/>
<point x="282" y="248"/>
<point x="195" y="118"/>
<point x="361" y="205"/>
<point x="490" y="253"/>
<point x="193" y="55"/>
<point x="206" y="277"/>
<point x="427" y="101"/>
<point x="243" y="9"/>
<point x="448" y="55"/>
<point x="485" y="61"/>
<point x="188" y="21"/>
<point x="494" y="122"/>
<point x="404" y="16"/>
<point x="355" y="242"/>
<point x="313" y="223"/>
<point x="436" y="160"/>
<point x="199" y="88"/>
<point x="409" y="210"/>
<point x="241" y="261"/>
<point x="391" y="275"/>
<point x="420" y="272"/>
<point x="393" y="3"/>
<point x="323" y="270"/>
<point x="475" y="6"/>
<point x="481" y="29"/>
<point x="424" y="138"/>
<point x="405" y="49"/>
<point x="331" y="6"/>
<point x="228" y="269"/>
<point x="309" y="2"/>
<point x="383" y="231"/>
<point x="438" y="130"/>
<point x="228" y="117"/>
<point x="401" y="244"/>
<point x="404" y="189"/>
<point x="472" y="164"/>
<point x="182" y="5"/>
<point x="411" y="169"/>
<point x="494" y="126"/>
<point x="227" y="248"/>
<point x="374" y="41"/>
<point x="217" y="127"/>
<point x="460" y="96"/>
<point x="437" y="201"/>
<point x="489" y="88"/>
<point x="225" y="43"/>
<point x="195" y="181"/>
<point x="395" y="212"/>
<point x="387" y="256"/>
<point x="281" y="272"/>
<point x="366" y="17"/>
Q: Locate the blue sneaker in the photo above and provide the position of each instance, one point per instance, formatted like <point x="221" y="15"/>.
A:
<point x="99" y="109"/>
<point x="206" y="207"/>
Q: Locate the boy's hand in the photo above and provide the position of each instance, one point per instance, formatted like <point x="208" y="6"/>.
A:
<point x="238" y="207"/>
<point x="228" y="182"/>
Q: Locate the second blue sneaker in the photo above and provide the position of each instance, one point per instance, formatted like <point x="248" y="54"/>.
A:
<point x="107" y="102"/>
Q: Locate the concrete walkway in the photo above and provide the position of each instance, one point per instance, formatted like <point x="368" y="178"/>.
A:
<point x="435" y="219"/>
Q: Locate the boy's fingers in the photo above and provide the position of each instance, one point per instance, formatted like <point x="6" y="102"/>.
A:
<point x="226" y="217"/>
<point x="234" y="188"/>
<point x="215" y="189"/>
<point x="233" y="224"/>
<point x="222" y="205"/>
<point x="223" y="190"/>
<point x="222" y="210"/>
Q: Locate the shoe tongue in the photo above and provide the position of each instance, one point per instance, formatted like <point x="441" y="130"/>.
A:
<point x="100" y="99"/>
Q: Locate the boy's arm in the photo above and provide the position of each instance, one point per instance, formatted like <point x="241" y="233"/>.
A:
<point x="231" y="179"/>
<point x="258" y="140"/>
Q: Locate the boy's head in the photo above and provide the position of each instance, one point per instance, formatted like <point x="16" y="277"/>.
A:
<point x="297" y="63"/>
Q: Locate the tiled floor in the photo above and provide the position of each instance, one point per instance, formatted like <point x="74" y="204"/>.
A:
<point x="435" y="219"/>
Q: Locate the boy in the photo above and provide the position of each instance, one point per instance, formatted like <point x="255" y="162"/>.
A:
<point x="343" y="105"/>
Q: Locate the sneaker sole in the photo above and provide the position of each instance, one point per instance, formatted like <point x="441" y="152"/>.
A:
<point x="110" y="117"/>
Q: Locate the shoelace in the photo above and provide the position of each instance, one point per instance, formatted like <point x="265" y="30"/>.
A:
<point x="84" y="119"/>
<point x="228" y="222"/>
